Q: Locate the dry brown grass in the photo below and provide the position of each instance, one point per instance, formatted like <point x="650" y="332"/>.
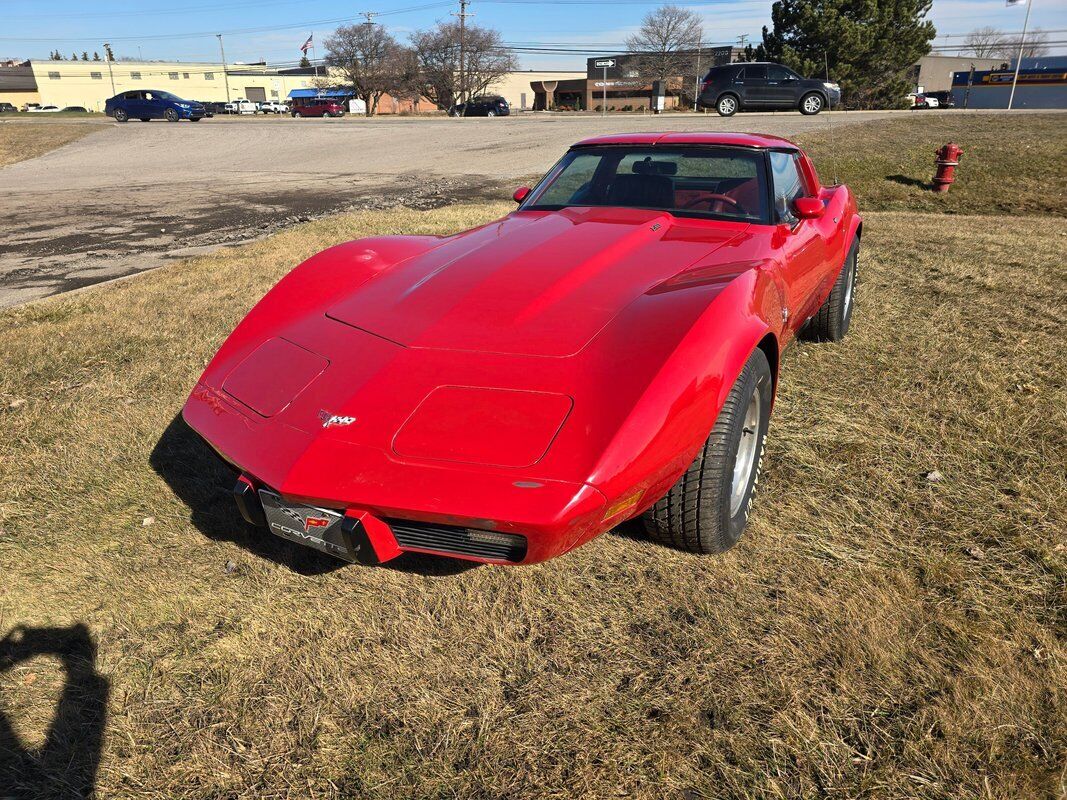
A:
<point x="874" y="635"/>
<point x="20" y="140"/>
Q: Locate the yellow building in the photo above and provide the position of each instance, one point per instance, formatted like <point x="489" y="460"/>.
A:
<point x="90" y="83"/>
<point x="515" y="86"/>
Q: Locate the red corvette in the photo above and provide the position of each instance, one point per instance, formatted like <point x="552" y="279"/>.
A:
<point x="608" y="350"/>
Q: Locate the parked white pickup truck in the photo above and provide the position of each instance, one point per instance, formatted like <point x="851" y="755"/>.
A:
<point x="242" y="106"/>
<point x="274" y="108"/>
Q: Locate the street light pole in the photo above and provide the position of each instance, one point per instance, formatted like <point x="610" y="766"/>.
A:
<point x="225" y="77"/>
<point x="1019" y="59"/>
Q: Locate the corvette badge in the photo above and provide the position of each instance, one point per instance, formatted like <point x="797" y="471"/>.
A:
<point x="328" y="419"/>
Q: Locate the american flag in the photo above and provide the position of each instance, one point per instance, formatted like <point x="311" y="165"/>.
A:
<point x="306" y="45"/>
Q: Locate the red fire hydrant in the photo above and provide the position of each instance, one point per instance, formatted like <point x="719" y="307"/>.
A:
<point x="947" y="159"/>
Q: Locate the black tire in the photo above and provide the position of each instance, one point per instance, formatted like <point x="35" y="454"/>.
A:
<point x="728" y="105"/>
<point x="296" y="114"/>
<point x="327" y="114"/>
<point x="170" y="115"/>
<point x="195" y="119"/>
<point x="146" y="119"/>
<point x="831" y="321"/>
<point x="812" y="103"/>
<point x="120" y="115"/>
<point x="702" y="512"/>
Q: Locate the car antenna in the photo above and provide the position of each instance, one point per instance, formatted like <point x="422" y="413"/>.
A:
<point x="829" y="123"/>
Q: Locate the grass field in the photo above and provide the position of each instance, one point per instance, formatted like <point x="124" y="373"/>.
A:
<point x="877" y="633"/>
<point x="20" y="141"/>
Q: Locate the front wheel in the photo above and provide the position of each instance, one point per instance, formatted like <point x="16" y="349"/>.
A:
<point x="195" y="119"/>
<point x="811" y="104"/>
<point x="707" y="509"/>
<point x="727" y="105"/>
<point x="327" y="114"/>
<point x="171" y="115"/>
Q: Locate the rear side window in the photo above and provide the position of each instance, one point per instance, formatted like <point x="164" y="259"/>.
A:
<point x="788" y="185"/>
<point x="131" y="95"/>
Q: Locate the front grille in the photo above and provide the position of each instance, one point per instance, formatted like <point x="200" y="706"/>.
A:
<point x="460" y="541"/>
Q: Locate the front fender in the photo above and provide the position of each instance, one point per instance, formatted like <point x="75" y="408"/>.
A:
<point x="675" y="415"/>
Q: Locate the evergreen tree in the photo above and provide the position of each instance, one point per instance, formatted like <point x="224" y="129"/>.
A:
<point x="870" y="46"/>
<point x="73" y="56"/>
<point x="304" y="62"/>
<point x="96" y="56"/>
<point x="85" y="55"/>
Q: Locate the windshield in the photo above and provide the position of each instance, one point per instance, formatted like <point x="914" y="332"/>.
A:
<point x="712" y="182"/>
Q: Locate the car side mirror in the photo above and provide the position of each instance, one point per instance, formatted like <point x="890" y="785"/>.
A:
<point x="808" y="207"/>
<point x="521" y="194"/>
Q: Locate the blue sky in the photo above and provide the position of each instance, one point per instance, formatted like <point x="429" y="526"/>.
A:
<point x="275" y="29"/>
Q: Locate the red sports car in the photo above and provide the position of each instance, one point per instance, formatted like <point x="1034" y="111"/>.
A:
<point x="610" y="349"/>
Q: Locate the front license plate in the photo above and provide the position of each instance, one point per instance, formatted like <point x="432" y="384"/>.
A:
<point x="318" y="528"/>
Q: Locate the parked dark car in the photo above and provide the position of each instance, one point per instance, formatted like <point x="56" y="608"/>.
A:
<point x="764" y="86"/>
<point x="147" y="104"/>
<point x="7" y="108"/>
<point x="211" y="108"/>
<point x="319" y="108"/>
<point x="75" y="109"/>
<point x="488" y="106"/>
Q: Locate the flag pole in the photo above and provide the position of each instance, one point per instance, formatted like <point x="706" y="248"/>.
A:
<point x="1019" y="59"/>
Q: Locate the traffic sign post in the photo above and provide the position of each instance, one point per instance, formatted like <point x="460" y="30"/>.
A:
<point x="604" y="64"/>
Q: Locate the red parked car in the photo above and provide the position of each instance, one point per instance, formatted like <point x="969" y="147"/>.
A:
<point x="609" y="350"/>
<point x="319" y="108"/>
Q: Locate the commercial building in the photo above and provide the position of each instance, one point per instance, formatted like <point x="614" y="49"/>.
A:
<point x="620" y="84"/>
<point x="1042" y="83"/>
<point x="90" y="83"/>
<point x="935" y="73"/>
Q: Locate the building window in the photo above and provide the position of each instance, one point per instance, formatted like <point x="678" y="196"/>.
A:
<point x="135" y="76"/>
<point x="96" y="76"/>
<point x="53" y="76"/>
<point x="185" y="75"/>
<point x="172" y="75"/>
<point x="209" y="76"/>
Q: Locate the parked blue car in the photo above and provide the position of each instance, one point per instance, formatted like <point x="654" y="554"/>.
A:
<point x="146" y="104"/>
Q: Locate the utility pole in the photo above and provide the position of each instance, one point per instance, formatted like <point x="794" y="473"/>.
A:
<point x="463" y="51"/>
<point x="696" y="85"/>
<point x="225" y="77"/>
<point x="109" y="57"/>
<point x="1019" y="59"/>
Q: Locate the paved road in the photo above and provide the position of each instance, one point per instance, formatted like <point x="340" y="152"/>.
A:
<point x="128" y="197"/>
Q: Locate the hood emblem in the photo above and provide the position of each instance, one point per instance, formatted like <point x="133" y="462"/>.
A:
<point x="329" y="420"/>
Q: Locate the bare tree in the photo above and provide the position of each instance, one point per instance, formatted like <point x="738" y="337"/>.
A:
<point x="1036" y="44"/>
<point x="367" y="57"/>
<point x="666" y="43"/>
<point x="438" y="51"/>
<point x="984" y="42"/>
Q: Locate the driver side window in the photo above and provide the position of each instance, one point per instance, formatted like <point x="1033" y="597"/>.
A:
<point x="788" y="185"/>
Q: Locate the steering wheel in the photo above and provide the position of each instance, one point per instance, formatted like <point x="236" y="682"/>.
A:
<point x="709" y="199"/>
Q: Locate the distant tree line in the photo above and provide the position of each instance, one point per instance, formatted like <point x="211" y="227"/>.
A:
<point x="447" y="64"/>
<point x="55" y="55"/>
<point x="993" y="43"/>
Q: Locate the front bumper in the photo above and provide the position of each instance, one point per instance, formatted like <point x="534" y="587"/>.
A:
<point x="438" y="505"/>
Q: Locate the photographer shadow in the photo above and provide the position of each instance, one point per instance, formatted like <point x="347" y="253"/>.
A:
<point x="65" y="765"/>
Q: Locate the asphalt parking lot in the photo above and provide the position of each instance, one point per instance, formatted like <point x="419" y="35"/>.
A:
<point x="128" y="197"/>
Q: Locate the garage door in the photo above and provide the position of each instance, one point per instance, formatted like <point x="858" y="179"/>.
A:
<point x="257" y="94"/>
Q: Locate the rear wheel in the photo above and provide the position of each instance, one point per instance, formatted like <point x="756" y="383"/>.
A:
<point x="831" y="321"/>
<point x="811" y="104"/>
<point x="727" y="105"/>
<point x="707" y="509"/>
<point x="121" y="115"/>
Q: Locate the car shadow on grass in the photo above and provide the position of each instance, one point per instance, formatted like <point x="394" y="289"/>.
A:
<point x="204" y="483"/>
<point x="66" y="763"/>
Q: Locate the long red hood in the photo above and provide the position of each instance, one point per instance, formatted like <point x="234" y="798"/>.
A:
<point x="533" y="284"/>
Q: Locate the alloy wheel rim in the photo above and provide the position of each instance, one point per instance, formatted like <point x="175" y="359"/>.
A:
<point x="849" y="289"/>
<point x="745" y="456"/>
<point x="813" y="103"/>
<point x="727" y="105"/>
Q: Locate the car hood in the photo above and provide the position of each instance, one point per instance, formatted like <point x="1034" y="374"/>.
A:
<point x="534" y="283"/>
